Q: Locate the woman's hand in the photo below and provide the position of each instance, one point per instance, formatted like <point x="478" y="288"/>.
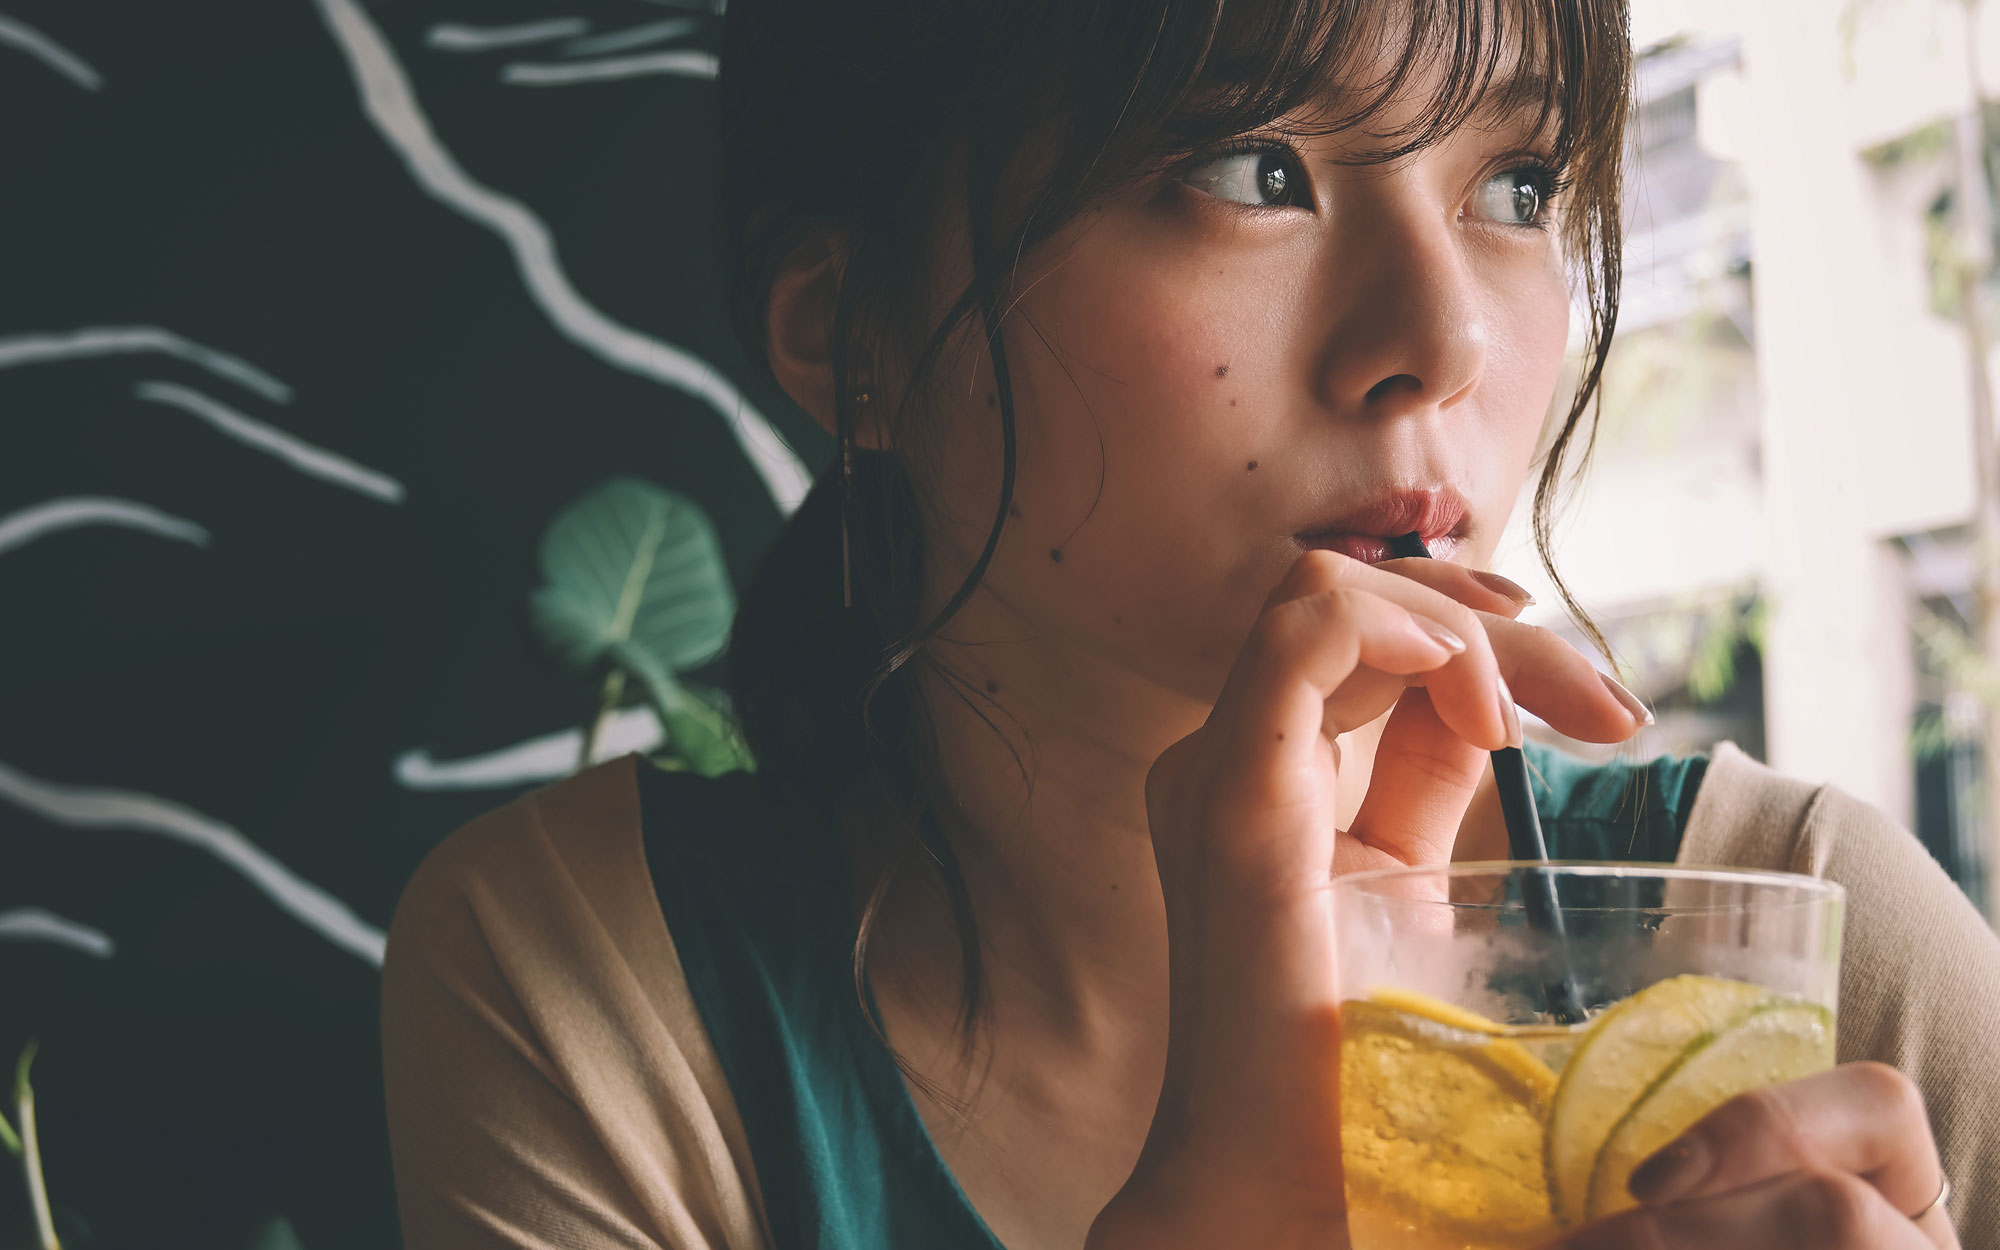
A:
<point x="1837" y="1161"/>
<point x="1245" y="1144"/>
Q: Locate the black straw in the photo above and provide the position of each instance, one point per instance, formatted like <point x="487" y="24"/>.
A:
<point x="1524" y="842"/>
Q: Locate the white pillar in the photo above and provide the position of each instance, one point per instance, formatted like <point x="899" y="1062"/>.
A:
<point x="1837" y="661"/>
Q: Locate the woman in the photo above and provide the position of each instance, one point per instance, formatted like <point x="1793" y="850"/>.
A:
<point x="1142" y="326"/>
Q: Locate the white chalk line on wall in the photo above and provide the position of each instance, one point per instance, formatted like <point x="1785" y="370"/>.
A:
<point x="547" y="758"/>
<point x="15" y="33"/>
<point x="644" y="35"/>
<point x="52" y="516"/>
<point x="91" y="341"/>
<point x="459" y="37"/>
<point x="690" y="63"/>
<point x="82" y="807"/>
<point x="34" y="924"/>
<point x="305" y="457"/>
<point x="391" y="103"/>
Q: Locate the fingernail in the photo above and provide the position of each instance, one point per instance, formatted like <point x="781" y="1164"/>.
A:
<point x="1504" y="586"/>
<point x="1672" y="1172"/>
<point x="1640" y="712"/>
<point x="1508" y="715"/>
<point x="1439" y="634"/>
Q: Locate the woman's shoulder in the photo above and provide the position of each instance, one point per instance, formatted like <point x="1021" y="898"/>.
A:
<point x="587" y="841"/>
<point x="586" y="825"/>
<point x="538" y="1028"/>
<point x="557" y="869"/>
<point x="745" y="827"/>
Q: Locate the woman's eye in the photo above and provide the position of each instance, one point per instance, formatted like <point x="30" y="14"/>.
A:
<point x="1261" y="177"/>
<point x="1514" y="197"/>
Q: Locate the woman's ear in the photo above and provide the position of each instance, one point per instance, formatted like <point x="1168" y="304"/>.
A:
<point x="798" y="326"/>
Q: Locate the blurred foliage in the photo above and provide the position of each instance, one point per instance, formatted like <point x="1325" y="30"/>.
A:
<point x="1698" y="642"/>
<point x="1948" y="652"/>
<point x="1931" y="736"/>
<point x="1727" y="626"/>
<point x="1660" y="377"/>
<point x="635" y="589"/>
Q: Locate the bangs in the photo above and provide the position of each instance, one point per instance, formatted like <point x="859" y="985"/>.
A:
<point x="1207" y="72"/>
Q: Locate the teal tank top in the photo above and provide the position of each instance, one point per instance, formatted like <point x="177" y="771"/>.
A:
<point x="753" y="888"/>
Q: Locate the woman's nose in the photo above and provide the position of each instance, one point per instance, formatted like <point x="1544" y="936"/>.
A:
<point x="1408" y="334"/>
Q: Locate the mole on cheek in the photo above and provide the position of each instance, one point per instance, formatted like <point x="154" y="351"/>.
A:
<point x="1055" y="555"/>
<point x="1232" y="403"/>
<point x="1251" y="467"/>
<point x="992" y="687"/>
<point x="1222" y="371"/>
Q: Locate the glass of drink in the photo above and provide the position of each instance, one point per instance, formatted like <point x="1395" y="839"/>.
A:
<point x="1474" y="1118"/>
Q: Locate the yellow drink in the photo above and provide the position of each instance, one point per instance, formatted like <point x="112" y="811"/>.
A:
<point x="1459" y="1133"/>
<point x="1472" y="1119"/>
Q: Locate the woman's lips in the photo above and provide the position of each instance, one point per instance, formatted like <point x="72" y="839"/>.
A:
<point x="1373" y="549"/>
<point x="1435" y="513"/>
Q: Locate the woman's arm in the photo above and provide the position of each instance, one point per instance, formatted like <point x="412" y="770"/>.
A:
<point x="548" y="1080"/>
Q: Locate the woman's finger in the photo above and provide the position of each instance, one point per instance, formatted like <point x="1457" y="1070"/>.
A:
<point x="1272" y="710"/>
<point x="1466" y="691"/>
<point x="1554" y="681"/>
<point x="1866" y="1119"/>
<point x="1476" y="589"/>
<point x="1423" y="780"/>
<point x="1823" y="1210"/>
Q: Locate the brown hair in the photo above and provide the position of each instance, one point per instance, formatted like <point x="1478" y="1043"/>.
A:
<point x="875" y="120"/>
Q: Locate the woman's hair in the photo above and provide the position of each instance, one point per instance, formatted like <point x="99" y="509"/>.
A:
<point x="890" y="126"/>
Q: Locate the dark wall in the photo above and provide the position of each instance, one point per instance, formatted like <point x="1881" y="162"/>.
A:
<point x="284" y="410"/>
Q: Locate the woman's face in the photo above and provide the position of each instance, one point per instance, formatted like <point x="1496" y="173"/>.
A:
<point x="1261" y="351"/>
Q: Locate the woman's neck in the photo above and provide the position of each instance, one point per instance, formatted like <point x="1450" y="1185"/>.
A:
<point x="1047" y="820"/>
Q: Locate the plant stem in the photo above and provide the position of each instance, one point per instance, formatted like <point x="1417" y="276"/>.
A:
<point x="31" y="1151"/>
<point x="607" y="706"/>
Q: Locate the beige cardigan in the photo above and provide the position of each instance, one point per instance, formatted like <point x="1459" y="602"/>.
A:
<point x="550" y="1084"/>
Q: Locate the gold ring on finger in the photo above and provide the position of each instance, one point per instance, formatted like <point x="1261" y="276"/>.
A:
<point x="1943" y="1197"/>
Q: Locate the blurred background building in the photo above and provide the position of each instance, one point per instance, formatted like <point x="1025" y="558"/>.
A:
<point x="1780" y="531"/>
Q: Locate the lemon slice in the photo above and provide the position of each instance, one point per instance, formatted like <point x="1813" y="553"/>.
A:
<point x="1410" y="1002"/>
<point x="1441" y="1123"/>
<point x="1515" y="1058"/>
<point x="1775" y="1042"/>
<point x="1622" y="1055"/>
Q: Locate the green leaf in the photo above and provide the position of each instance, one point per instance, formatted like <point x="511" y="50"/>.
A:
<point x="277" y="1233"/>
<point x="634" y="572"/>
<point x="701" y="733"/>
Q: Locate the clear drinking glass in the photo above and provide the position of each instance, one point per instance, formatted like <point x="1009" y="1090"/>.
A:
<point x="1474" y="1118"/>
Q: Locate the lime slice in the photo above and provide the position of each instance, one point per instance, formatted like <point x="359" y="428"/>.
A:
<point x="1621" y="1056"/>
<point x="1441" y="1125"/>
<point x="1776" y="1042"/>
